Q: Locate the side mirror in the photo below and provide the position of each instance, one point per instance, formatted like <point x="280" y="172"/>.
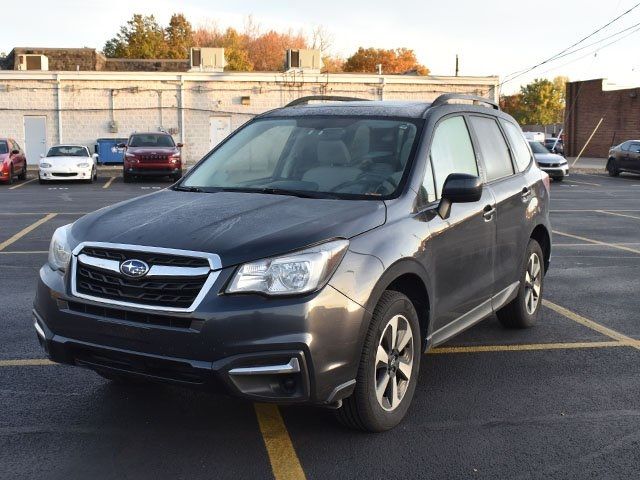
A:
<point x="180" y="145"/>
<point x="94" y="156"/>
<point x="42" y="155"/>
<point x="121" y="145"/>
<point x="15" y="152"/>
<point x="459" y="188"/>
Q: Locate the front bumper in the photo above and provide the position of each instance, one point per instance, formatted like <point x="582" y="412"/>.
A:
<point x="155" y="170"/>
<point x="283" y="350"/>
<point x="65" y="174"/>
<point x="559" y="171"/>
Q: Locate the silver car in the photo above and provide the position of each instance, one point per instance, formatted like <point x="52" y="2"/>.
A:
<point x="555" y="165"/>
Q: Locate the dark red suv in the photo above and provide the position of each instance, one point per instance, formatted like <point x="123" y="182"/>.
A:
<point x="151" y="154"/>
<point x="12" y="161"/>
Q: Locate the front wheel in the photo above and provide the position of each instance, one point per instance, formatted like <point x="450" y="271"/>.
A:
<point x="558" y="179"/>
<point x="612" y="168"/>
<point x="23" y="173"/>
<point x="389" y="367"/>
<point x="10" y="181"/>
<point x="523" y="311"/>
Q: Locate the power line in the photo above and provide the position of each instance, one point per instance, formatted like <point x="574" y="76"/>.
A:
<point x="514" y="75"/>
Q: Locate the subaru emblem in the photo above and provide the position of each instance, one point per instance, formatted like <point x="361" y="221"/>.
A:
<point x="134" y="268"/>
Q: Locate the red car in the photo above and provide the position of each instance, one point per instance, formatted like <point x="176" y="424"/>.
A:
<point x="153" y="154"/>
<point x="13" y="163"/>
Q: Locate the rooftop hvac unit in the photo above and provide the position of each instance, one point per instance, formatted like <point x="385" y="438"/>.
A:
<point x="304" y="59"/>
<point x="33" y="62"/>
<point x="207" y="59"/>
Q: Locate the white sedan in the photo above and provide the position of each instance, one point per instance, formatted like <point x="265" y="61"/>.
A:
<point x="68" y="162"/>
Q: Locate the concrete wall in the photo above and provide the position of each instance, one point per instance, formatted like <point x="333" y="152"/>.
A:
<point x="81" y="106"/>
<point x="587" y="103"/>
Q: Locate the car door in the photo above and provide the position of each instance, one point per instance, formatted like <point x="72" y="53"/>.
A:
<point x="632" y="161"/>
<point x="622" y="155"/>
<point x="511" y="193"/>
<point x="461" y="247"/>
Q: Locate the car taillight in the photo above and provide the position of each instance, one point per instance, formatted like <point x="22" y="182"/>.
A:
<point x="547" y="181"/>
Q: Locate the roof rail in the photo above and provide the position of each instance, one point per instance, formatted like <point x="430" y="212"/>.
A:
<point x="447" y="97"/>
<point x="326" y="98"/>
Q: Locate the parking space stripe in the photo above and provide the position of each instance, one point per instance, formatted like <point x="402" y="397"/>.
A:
<point x="284" y="460"/>
<point x="22" y="184"/>
<point x="26" y="230"/>
<point x="585" y="183"/>
<point x="109" y="182"/>
<point x="598" y="242"/>
<point x="10" y="214"/>
<point x="25" y="252"/>
<point x="619" y="214"/>
<point x="623" y="339"/>
<point x="26" y="362"/>
<point x="525" y="347"/>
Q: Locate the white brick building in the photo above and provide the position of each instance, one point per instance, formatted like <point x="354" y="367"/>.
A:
<point x="43" y="108"/>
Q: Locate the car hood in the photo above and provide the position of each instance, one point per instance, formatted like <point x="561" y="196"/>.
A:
<point x="546" y="158"/>
<point x="239" y="227"/>
<point x="159" y="150"/>
<point x="66" y="161"/>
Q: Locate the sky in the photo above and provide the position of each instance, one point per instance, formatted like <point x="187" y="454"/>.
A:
<point x="491" y="37"/>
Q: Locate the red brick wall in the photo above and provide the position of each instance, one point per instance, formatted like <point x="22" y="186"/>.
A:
<point x="587" y="104"/>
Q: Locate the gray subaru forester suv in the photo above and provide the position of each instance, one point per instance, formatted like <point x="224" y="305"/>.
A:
<point x="312" y="257"/>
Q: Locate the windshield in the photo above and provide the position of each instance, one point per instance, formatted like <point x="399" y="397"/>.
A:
<point x="151" y="140"/>
<point x="335" y="156"/>
<point x="537" y="147"/>
<point x="4" y="148"/>
<point x="68" y="151"/>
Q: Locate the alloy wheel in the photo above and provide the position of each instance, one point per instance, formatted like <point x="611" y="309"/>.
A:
<point x="532" y="283"/>
<point x="394" y="362"/>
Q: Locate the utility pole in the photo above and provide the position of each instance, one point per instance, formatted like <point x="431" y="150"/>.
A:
<point x="457" y="65"/>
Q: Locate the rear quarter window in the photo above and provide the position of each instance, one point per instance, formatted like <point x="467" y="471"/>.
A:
<point x="493" y="147"/>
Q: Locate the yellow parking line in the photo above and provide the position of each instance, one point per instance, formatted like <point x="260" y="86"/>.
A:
<point x="109" y="182"/>
<point x="623" y="339"/>
<point x="26" y="362"/>
<point x="26" y="230"/>
<point x="618" y="214"/>
<point x="525" y="347"/>
<point x="598" y="242"/>
<point x="284" y="460"/>
<point x="22" y="184"/>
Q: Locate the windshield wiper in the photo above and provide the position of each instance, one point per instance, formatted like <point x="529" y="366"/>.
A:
<point x="188" y="189"/>
<point x="284" y="191"/>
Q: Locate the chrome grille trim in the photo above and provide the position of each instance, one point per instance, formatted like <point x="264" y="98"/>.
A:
<point x="215" y="265"/>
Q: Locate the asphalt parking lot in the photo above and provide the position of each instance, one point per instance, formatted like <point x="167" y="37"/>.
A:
<point x="560" y="400"/>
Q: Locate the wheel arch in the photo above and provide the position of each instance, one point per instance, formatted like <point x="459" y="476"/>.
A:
<point x="408" y="277"/>
<point x="541" y="235"/>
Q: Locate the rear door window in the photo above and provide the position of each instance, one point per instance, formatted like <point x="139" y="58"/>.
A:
<point x="521" y="150"/>
<point x="451" y="152"/>
<point x="4" y="148"/>
<point x="493" y="147"/>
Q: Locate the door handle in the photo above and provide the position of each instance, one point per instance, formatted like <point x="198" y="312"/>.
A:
<point x="487" y="213"/>
<point x="526" y="193"/>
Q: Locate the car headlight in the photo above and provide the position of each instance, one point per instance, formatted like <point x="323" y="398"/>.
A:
<point x="83" y="165"/>
<point x="45" y="165"/>
<point x="59" y="249"/>
<point x="298" y="272"/>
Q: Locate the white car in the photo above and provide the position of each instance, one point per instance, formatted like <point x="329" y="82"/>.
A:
<point x="68" y="162"/>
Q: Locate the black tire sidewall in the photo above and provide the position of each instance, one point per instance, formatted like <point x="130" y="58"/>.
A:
<point x="378" y="419"/>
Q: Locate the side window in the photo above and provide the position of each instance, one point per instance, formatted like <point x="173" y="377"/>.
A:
<point x="451" y="152"/>
<point x="520" y="147"/>
<point x="625" y="146"/>
<point x="493" y="147"/>
<point x="634" y="147"/>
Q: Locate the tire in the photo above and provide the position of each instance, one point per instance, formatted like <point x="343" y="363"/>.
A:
<point x="95" y="175"/>
<point x="362" y="410"/>
<point x="523" y="311"/>
<point x="10" y="181"/>
<point x="23" y="174"/>
<point x="558" y="179"/>
<point x="126" y="178"/>
<point x="612" y="168"/>
<point x="40" y="180"/>
<point x="177" y="177"/>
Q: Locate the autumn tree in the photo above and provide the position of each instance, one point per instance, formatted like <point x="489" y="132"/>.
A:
<point x="266" y="52"/>
<point x="235" y="46"/>
<point x="398" y="60"/>
<point x="179" y="36"/>
<point x="542" y="102"/>
<point x="141" y="37"/>
<point x="512" y="104"/>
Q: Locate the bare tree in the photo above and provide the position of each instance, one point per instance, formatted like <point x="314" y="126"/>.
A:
<point x="321" y="39"/>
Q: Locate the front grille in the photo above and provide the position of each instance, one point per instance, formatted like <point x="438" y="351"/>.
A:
<point x="63" y="174"/>
<point x="170" y="290"/>
<point x="130" y="316"/>
<point x="152" y="158"/>
<point x="150" y="258"/>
